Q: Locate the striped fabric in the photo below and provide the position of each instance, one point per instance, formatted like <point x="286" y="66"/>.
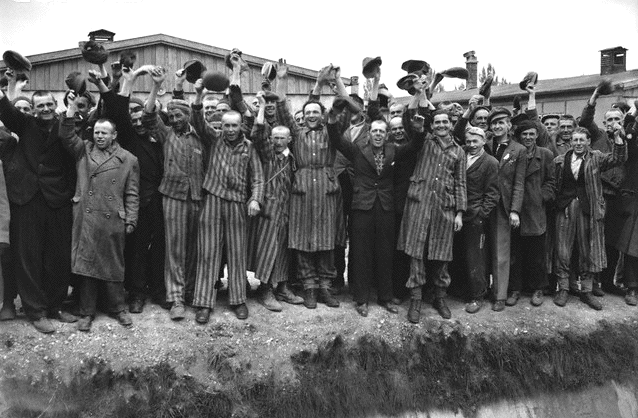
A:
<point x="573" y="226"/>
<point x="315" y="216"/>
<point x="222" y="224"/>
<point x="183" y="160"/>
<point x="437" y="191"/>
<point x="268" y="232"/>
<point x="180" y="222"/>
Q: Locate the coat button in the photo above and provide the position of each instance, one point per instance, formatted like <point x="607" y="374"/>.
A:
<point x="110" y="198"/>
<point x="113" y="181"/>
<point x="90" y="192"/>
<point x="108" y="216"/>
<point x="88" y="210"/>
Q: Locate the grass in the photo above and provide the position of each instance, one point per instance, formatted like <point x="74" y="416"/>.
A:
<point x="453" y="372"/>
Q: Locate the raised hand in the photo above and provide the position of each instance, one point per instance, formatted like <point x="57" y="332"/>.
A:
<point x="282" y="69"/>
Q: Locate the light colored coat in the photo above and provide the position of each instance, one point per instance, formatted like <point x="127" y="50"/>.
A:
<point x="106" y="200"/>
<point x="4" y="209"/>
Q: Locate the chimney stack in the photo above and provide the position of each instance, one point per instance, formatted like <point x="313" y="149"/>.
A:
<point x="613" y="60"/>
<point x="354" y="85"/>
<point x="102" y="35"/>
<point x="471" y="64"/>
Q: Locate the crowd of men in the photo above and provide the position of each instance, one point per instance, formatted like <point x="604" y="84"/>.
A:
<point x="123" y="200"/>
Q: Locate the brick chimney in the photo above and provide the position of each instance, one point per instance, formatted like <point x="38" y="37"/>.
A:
<point x="471" y="64"/>
<point x="101" y="35"/>
<point x="613" y="60"/>
<point x="354" y="85"/>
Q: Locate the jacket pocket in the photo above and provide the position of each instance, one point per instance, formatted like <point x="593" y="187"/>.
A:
<point x="448" y="198"/>
<point x="332" y="185"/>
<point x="414" y="190"/>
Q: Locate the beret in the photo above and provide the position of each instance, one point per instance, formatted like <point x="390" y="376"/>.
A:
<point x="77" y="82"/>
<point x="194" y="70"/>
<point x="523" y="126"/>
<point x="520" y="118"/>
<point x="413" y="66"/>
<point x="498" y="113"/>
<point x="530" y="78"/>
<point x="215" y="81"/>
<point x="475" y="131"/>
<point x="94" y="52"/>
<point x="370" y="66"/>
<point x="16" y="61"/>
<point x="179" y="104"/>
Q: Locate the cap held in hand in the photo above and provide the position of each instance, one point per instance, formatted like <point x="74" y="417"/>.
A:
<point x="194" y="70"/>
<point x="76" y="81"/>
<point x="215" y="81"/>
<point x="95" y="53"/>
<point x="371" y="66"/>
<point x="16" y="61"/>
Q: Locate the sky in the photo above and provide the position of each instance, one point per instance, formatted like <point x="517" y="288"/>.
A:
<point x="555" y="38"/>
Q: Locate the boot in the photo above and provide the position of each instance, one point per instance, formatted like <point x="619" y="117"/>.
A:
<point x="326" y="297"/>
<point x="310" y="298"/>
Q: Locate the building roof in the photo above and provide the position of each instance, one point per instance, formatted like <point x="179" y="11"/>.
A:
<point x="552" y="87"/>
<point x="168" y="40"/>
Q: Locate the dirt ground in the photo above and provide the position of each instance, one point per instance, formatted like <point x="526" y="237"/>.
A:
<point x="265" y="342"/>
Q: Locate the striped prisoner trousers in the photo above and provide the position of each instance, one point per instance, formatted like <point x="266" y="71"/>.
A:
<point x="180" y="222"/>
<point x="222" y="224"/>
<point x="268" y="242"/>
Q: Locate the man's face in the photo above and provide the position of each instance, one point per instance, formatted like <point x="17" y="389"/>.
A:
<point x="480" y="119"/>
<point x="177" y="119"/>
<point x="280" y="139"/>
<point x="44" y="107"/>
<point x="103" y="135"/>
<point x="396" y="110"/>
<point x="580" y="142"/>
<point x="613" y="120"/>
<point x="378" y="134"/>
<point x="209" y="106"/>
<point x="474" y="143"/>
<point x="230" y="126"/>
<point x="312" y="115"/>
<point x="84" y="107"/>
<point x="441" y="125"/>
<point x="269" y="109"/>
<point x="223" y="108"/>
<point x="136" y="120"/>
<point x="299" y="119"/>
<point x="565" y="129"/>
<point x="23" y="106"/>
<point x="551" y="124"/>
<point x="396" y="129"/>
<point x="500" y="127"/>
<point x="528" y="137"/>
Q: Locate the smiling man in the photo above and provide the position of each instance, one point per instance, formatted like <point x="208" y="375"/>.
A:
<point x="580" y="218"/>
<point x="40" y="184"/>
<point x="434" y="210"/>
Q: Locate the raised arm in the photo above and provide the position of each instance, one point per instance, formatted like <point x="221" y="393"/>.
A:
<point x="347" y="148"/>
<point x="11" y="117"/>
<point x="415" y="139"/>
<point x="151" y="119"/>
<point x="70" y="140"/>
<point x="206" y="133"/>
<point x="618" y="155"/>
<point x="260" y="134"/>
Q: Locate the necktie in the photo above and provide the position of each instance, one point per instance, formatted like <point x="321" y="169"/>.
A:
<point x="500" y="150"/>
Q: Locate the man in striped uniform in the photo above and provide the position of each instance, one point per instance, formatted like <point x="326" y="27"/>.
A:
<point x="233" y="169"/>
<point x="181" y="189"/>
<point x="433" y="212"/>
<point x="268" y="234"/>
<point x="314" y="198"/>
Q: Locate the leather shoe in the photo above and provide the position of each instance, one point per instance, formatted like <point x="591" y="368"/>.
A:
<point x="498" y="306"/>
<point x="414" y="312"/>
<point x="241" y="311"/>
<point x="631" y="298"/>
<point x="266" y="297"/>
<point x="124" y="318"/>
<point x="390" y="307"/>
<point x="537" y="298"/>
<point x="8" y="311"/>
<point x="513" y="298"/>
<point x="65" y="317"/>
<point x="441" y="307"/>
<point x="84" y="324"/>
<point x="177" y="311"/>
<point x="362" y="308"/>
<point x="588" y="298"/>
<point x="284" y="294"/>
<point x="561" y="298"/>
<point x="202" y="316"/>
<point x="136" y="306"/>
<point x="326" y="297"/>
<point x="474" y="306"/>
<point x="310" y="298"/>
<point x="44" y="325"/>
<point x="597" y="291"/>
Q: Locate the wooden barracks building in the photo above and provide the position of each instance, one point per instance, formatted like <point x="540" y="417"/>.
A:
<point x="50" y="69"/>
<point x="558" y="95"/>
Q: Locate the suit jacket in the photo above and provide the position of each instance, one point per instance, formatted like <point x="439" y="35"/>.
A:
<point x="482" y="188"/>
<point x="511" y="174"/>
<point x="595" y="163"/>
<point x="368" y="185"/>
<point x="38" y="162"/>
<point x="539" y="191"/>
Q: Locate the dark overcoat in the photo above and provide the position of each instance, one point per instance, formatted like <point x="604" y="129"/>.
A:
<point x="106" y="200"/>
<point x="539" y="191"/>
